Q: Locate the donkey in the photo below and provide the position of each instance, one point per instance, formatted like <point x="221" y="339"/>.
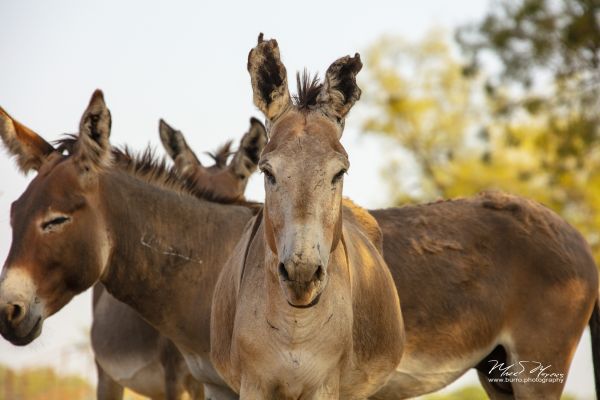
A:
<point x="306" y="307"/>
<point x="92" y="216"/>
<point x="227" y="180"/>
<point x="451" y="256"/>
<point x="131" y="353"/>
<point x="494" y="277"/>
<point x="442" y="255"/>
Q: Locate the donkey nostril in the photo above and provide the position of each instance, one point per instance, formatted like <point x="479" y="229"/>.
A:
<point x="15" y="313"/>
<point x="283" y="272"/>
<point x="319" y="273"/>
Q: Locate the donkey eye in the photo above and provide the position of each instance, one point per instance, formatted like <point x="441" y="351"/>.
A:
<point x="48" y="225"/>
<point x="269" y="176"/>
<point x="338" y="176"/>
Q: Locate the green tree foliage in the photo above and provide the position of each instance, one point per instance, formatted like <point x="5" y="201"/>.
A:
<point x="461" y="130"/>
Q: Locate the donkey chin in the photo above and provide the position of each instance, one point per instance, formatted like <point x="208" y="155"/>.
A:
<point x="302" y="293"/>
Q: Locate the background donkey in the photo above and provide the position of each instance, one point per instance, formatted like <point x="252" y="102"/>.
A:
<point x="131" y="353"/>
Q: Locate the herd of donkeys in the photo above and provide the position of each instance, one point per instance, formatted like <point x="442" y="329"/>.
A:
<point x="198" y="292"/>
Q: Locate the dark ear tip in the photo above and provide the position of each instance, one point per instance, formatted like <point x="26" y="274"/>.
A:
<point x="356" y="62"/>
<point x="97" y="96"/>
<point x="260" y="38"/>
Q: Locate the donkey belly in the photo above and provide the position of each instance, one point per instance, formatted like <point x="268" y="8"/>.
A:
<point x="140" y="374"/>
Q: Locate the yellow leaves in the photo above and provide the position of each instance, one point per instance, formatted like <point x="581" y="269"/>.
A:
<point x="458" y="138"/>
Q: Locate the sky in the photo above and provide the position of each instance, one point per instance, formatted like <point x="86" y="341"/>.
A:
<point x="186" y="62"/>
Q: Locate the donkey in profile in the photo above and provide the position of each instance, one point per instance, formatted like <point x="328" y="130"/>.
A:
<point x="306" y="307"/>
<point x="131" y="353"/>
<point x="96" y="215"/>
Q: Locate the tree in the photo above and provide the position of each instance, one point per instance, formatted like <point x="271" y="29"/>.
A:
<point x="458" y="134"/>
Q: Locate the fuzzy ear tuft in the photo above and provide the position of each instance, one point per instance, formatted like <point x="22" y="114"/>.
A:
<point x="269" y="78"/>
<point x="93" y="146"/>
<point x="29" y="148"/>
<point x="245" y="160"/>
<point x="340" y="91"/>
<point x="174" y="143"/>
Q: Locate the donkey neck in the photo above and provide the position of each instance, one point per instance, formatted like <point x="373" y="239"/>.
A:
<point x="167" y="249"/>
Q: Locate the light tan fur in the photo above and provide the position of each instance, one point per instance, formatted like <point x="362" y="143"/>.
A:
<point x="305" y="308"/>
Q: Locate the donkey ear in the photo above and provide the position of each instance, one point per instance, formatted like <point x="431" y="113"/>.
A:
<point x="269" y="79"/>
<point x="177" y="148"/>
<point x="252" y="144"/>
<point x="340" y="91"/>
<point x="93" y="146"/>
<point x="29" y="148"/>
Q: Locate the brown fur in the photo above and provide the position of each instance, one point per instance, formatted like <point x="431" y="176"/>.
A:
<point x="73" y="214"/>
<point x="29" y="148"/>
<point x="117" y="325"/>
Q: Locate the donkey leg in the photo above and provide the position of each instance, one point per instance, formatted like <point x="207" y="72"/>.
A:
<point x="107" y="388"/>
<point x="194" y="388"/>
<point x="545" y="380"/>
<point x="544" y="359"/>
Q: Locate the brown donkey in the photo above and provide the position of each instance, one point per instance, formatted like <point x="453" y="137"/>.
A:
<point x="306" y="307"/>
<point x="488" y="282"/>
<point x="131" y="353"/>
<point x="125" y="221"/>
<point x="447" y="257"/>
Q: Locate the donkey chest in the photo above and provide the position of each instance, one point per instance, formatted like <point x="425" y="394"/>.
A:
<point x="289" y="361"/>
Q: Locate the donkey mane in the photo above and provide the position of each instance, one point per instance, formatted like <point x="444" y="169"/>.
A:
<point x="150" y="168"/>
<point x="222" y="154"/>
<point x="308" y="90"/>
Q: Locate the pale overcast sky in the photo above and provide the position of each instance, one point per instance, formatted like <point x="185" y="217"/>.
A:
<point x="186" y="62"/>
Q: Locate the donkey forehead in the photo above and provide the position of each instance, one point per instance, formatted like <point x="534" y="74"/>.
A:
<point x="57" y="188"/>
<point x="304" y="134"/>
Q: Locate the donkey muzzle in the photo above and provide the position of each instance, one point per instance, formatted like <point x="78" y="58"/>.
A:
<point x="302" y="282"/>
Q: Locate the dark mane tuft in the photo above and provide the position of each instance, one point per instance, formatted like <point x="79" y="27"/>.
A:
<point x="154" y="170"/>
<point x="222" y="154"/>
<point x="308" y="90"/>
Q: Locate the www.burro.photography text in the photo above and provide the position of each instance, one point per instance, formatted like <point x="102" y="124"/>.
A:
<point x="523" y="372"/>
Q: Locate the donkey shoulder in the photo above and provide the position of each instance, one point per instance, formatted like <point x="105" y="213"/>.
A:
<point x="364" y="221"/>
<point x="224" y="305"/>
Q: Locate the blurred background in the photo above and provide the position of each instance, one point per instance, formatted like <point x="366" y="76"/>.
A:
<point x="458" y="97"/>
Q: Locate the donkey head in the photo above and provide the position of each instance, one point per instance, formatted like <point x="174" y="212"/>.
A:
<point x="59" y="244"/>
<point x="227" y="180"/>
<point x="304" y="165"/>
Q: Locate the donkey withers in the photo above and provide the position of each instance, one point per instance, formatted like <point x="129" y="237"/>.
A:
<point x="306" y="307"/>
<point x="124" y="220"/>
<point x="131" y="353"/>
